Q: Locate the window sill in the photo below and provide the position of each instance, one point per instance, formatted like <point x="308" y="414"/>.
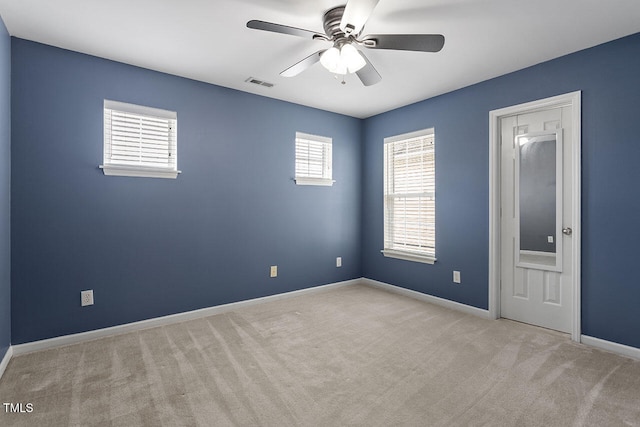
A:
<point x="139" y="171"/>
<point x="408" y="256"/>
<point x="314" y="181"/>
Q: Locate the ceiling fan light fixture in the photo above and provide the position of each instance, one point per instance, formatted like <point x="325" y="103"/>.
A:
<point x="345" y="60"/>
<point x="352" y="58"/>
<point x="331" y="59"/>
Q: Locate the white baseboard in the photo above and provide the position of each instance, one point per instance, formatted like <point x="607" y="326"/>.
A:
<point x="621" y="349"/>
<point x="164" y="320"/>
<point x="428" y="298"/>
<point x="5" y="360"/>
<point x="18" y="349"/>
<point x="613" y="347"/>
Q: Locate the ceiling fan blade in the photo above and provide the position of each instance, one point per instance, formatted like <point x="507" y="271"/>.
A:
<point x="368" y="75"/>
<point x="356" y="13"/>
<point x="413" y="42"/>
<point x="277" y="28"/>
<point x="299" y="67"/>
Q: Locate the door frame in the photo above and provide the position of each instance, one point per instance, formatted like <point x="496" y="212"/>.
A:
<point x="573" y="99"/>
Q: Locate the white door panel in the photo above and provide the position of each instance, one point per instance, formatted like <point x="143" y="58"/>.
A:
<point x="536" y="173"/>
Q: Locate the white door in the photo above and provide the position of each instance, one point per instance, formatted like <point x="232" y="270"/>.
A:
<point x="535" y="225"/>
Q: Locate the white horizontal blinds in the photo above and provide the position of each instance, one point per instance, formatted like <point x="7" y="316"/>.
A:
<point x="313" y="156"/>
<point x="410" y="194"/>
<point x="139" y="136"/>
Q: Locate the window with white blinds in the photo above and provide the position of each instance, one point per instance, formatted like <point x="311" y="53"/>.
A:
<point x="140" y="141"/>
<point x="409" y="197"/>
<point x="313" y="160"/>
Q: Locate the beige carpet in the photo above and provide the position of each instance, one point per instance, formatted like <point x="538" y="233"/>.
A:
<point x="349" y="356"/>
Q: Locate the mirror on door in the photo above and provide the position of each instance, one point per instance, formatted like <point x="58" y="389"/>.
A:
<point x="538" y="200"/>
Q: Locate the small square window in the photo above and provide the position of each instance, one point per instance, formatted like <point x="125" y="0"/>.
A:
<point x="140" y="141"/>
<point x="313" y="160"/>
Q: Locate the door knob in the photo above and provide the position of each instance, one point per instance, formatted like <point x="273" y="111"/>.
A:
<point x="567" y="231"/>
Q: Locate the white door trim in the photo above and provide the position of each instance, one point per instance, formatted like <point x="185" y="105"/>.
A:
<point x="574" y="99"/>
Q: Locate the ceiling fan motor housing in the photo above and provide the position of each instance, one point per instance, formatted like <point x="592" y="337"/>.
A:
<point x="332" y="19"/>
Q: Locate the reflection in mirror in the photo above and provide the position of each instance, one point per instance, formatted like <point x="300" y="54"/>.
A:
<point x="538" y="193"/>
<point x="538" y="189"/>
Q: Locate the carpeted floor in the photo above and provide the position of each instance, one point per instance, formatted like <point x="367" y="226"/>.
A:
<point x="354" y="355"/>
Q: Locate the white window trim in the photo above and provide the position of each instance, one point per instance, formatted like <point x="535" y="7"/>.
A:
<point x="408" y="256"/>
<point x="404" y="254"/>
<point x="307" y="180"/>
<point x="140" y="171"/>
<point x="314" y="181"/>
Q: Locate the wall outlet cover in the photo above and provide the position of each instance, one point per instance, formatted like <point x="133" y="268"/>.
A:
<point x="86" y="297"/>
<point x="456" y="277"/>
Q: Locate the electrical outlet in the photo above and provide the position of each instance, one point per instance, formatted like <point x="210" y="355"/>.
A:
<point x="339" y="261"/>
<point x="456" y="277"/>
<point x="274" y="271"/>
<point x="86" y="297"/>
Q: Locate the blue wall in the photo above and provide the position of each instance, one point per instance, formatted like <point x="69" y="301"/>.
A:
<point x="5" y="190"/>
<point x="152" y="247"/>
<point x="608" y="76"/>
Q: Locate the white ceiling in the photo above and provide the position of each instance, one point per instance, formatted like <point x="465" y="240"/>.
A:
<point x="208" y="40"/>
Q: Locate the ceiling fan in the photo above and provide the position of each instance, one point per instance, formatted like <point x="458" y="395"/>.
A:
<point x="343" y="27"/>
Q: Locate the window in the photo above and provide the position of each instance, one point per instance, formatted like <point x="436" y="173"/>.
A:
<point x="139" y="141"/>
<point x="313" y="160"/>
<point x="409" y="197"/>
